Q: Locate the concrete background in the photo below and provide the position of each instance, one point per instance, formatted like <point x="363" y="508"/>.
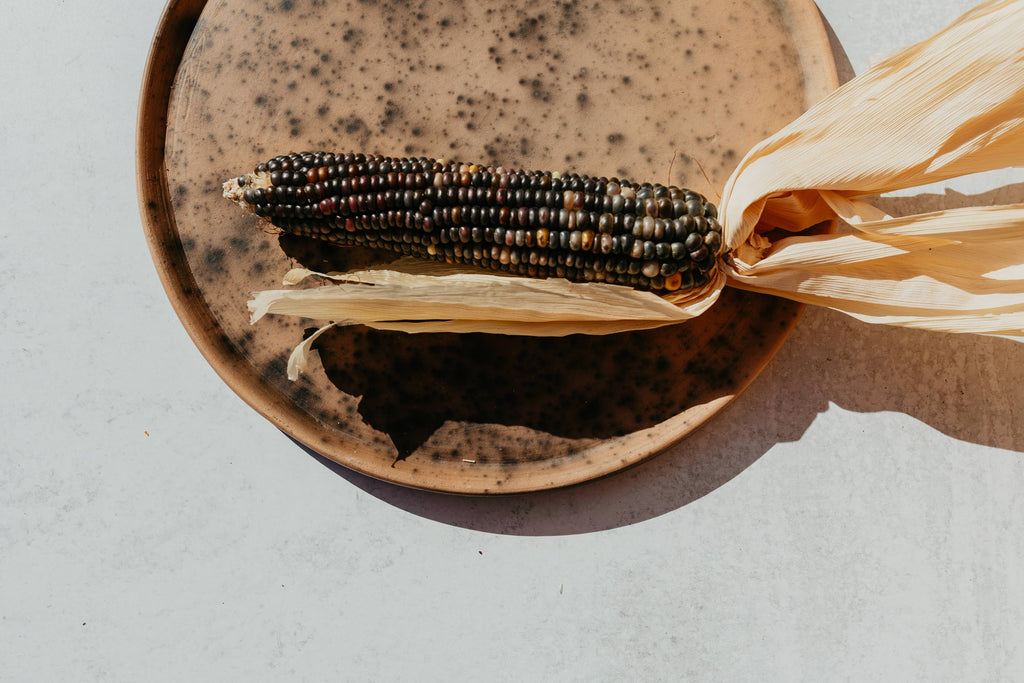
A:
<point x="856" y="514"/>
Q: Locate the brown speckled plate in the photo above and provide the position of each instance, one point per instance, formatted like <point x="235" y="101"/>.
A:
<point x="640" y="90"/>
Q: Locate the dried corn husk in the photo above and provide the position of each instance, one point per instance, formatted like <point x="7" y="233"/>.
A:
<point x="395" y="298"/>
<point x="951" y="105"/>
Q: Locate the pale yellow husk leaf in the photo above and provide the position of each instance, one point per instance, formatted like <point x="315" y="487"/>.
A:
<point x="416" y="296"/>
<point x="951" y="105"/>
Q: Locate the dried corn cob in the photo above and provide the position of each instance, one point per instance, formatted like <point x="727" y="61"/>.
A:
<point x="585" y="229"/>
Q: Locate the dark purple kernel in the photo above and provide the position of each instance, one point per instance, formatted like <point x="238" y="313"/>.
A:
<point x="713" y="241"/>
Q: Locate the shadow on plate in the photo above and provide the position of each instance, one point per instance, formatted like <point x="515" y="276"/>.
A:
<point x="576" y="388"/>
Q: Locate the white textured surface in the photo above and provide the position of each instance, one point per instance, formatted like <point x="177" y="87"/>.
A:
<point x="856" y="514"/>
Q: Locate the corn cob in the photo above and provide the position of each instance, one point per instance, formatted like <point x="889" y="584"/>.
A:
<point x="532" y="223"/>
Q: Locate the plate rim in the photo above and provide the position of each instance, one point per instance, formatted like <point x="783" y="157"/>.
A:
<point x="174" y="30"/>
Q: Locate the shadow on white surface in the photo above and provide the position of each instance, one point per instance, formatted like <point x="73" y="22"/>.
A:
<point x="844" y="69"/>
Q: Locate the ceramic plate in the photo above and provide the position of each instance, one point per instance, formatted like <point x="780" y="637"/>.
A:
<point x="662" y="91"/>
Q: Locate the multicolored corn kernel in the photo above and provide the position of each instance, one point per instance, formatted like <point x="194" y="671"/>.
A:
<point x="531" y="223"/>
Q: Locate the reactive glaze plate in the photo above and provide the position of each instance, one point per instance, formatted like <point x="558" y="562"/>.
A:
<point x="668" y="91"/>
